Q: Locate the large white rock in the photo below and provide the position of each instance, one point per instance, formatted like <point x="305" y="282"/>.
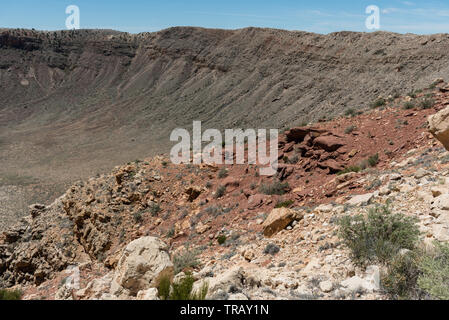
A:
<point x="373" y="278"/>
<point x="237" y="297"/>
<point x="232" y="278"/>
<point x="96" y="288"/>
<point x="438" y="125"/>
<point x="441" y="202"/>
<point x="326" y="286"/>
<point x="149" y="294"/>
<point x="278" y="220"/>
<point x="362" y="199"/>
<point x="370" y="283"/>
<point x="142" y="265"/>
<point x="354" y="284"/>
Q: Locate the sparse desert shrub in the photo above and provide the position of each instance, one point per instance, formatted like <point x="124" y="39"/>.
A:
<point x="350" y="129"/>
<point x="378" y="103"/>
<point x="186" y="259"/>
<point x="163" y="288"/>
<point x="419" y="274"/>
<point x="181" y="290"/>
<point x="223" y="173"/>
<point x="412" y="94"/>
<point x="400" y="280"/>
<point x="214" y="211"/>
<point x="378" y="236"/>
<point x="373" y="185"/>
<point x="284" y="204"/>
<point x="427" y="103"/>
<point x="409" y="105"/>
<point x="272" y="249"/>
<point x="373" y="160"/>
<point x="435" y="272"/>
<point x="138" y="217"/>
<point x="350" y="169"/>
<point x="6" y="294"/>
<point x="350" y="112"/>
<point x="171" y="232"/>
<point x="221" y="239"/>
<point x="221" y="191"/>
<point x="154" y="209"/>
<point x="276" y="187"/>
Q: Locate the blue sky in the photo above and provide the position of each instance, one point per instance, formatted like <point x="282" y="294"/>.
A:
<point x="422" y="17"/>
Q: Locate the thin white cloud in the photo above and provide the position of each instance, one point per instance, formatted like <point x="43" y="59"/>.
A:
<point x="390" y="10"/>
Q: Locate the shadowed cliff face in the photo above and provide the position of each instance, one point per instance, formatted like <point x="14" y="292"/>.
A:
<point x="75" y="103"/>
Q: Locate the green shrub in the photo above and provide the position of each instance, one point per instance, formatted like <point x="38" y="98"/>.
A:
<point x="221" y="191"/>
<point x="427" y="104"/>
<point x="221" y="239"/>
<point x="409" y="105"/>
<point x="400" y="280"/>
<point x="164" y="288"/>
<point x="412" y="94"/>
<point x="138" y="217"/>
<point x="378" y="236"/>
<point x="223" y="173"/>
<point x="276" y="187"/>
<point x="350" y="129"/>
<point x="171" y="232"/>
<point x="373" y="160"/>
<point x="350" y="169"/>
<point x="10" y="294"/>
<point x="272" y="249"/>
<point x="186" y="259"/>
<point x="181" y="290"/>
<point x="378" y="103"/>
<point x="155" y="209"/>
<point x="351" y="112"/>
<point x="284" y="204"/>
<point x="435" y="272"/>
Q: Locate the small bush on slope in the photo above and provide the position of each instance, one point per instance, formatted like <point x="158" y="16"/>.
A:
<point x="378" y="236"/>
<point x="284" y="204"/>
<point x="10" y="294"/>
<point x="221" y="191"/>
<point x="187" y="259"/>
<point x="400" y="280"/>
<point x="434" y="278"/>
<point x="181" y="290"/>
<point x="276" y="187"/>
